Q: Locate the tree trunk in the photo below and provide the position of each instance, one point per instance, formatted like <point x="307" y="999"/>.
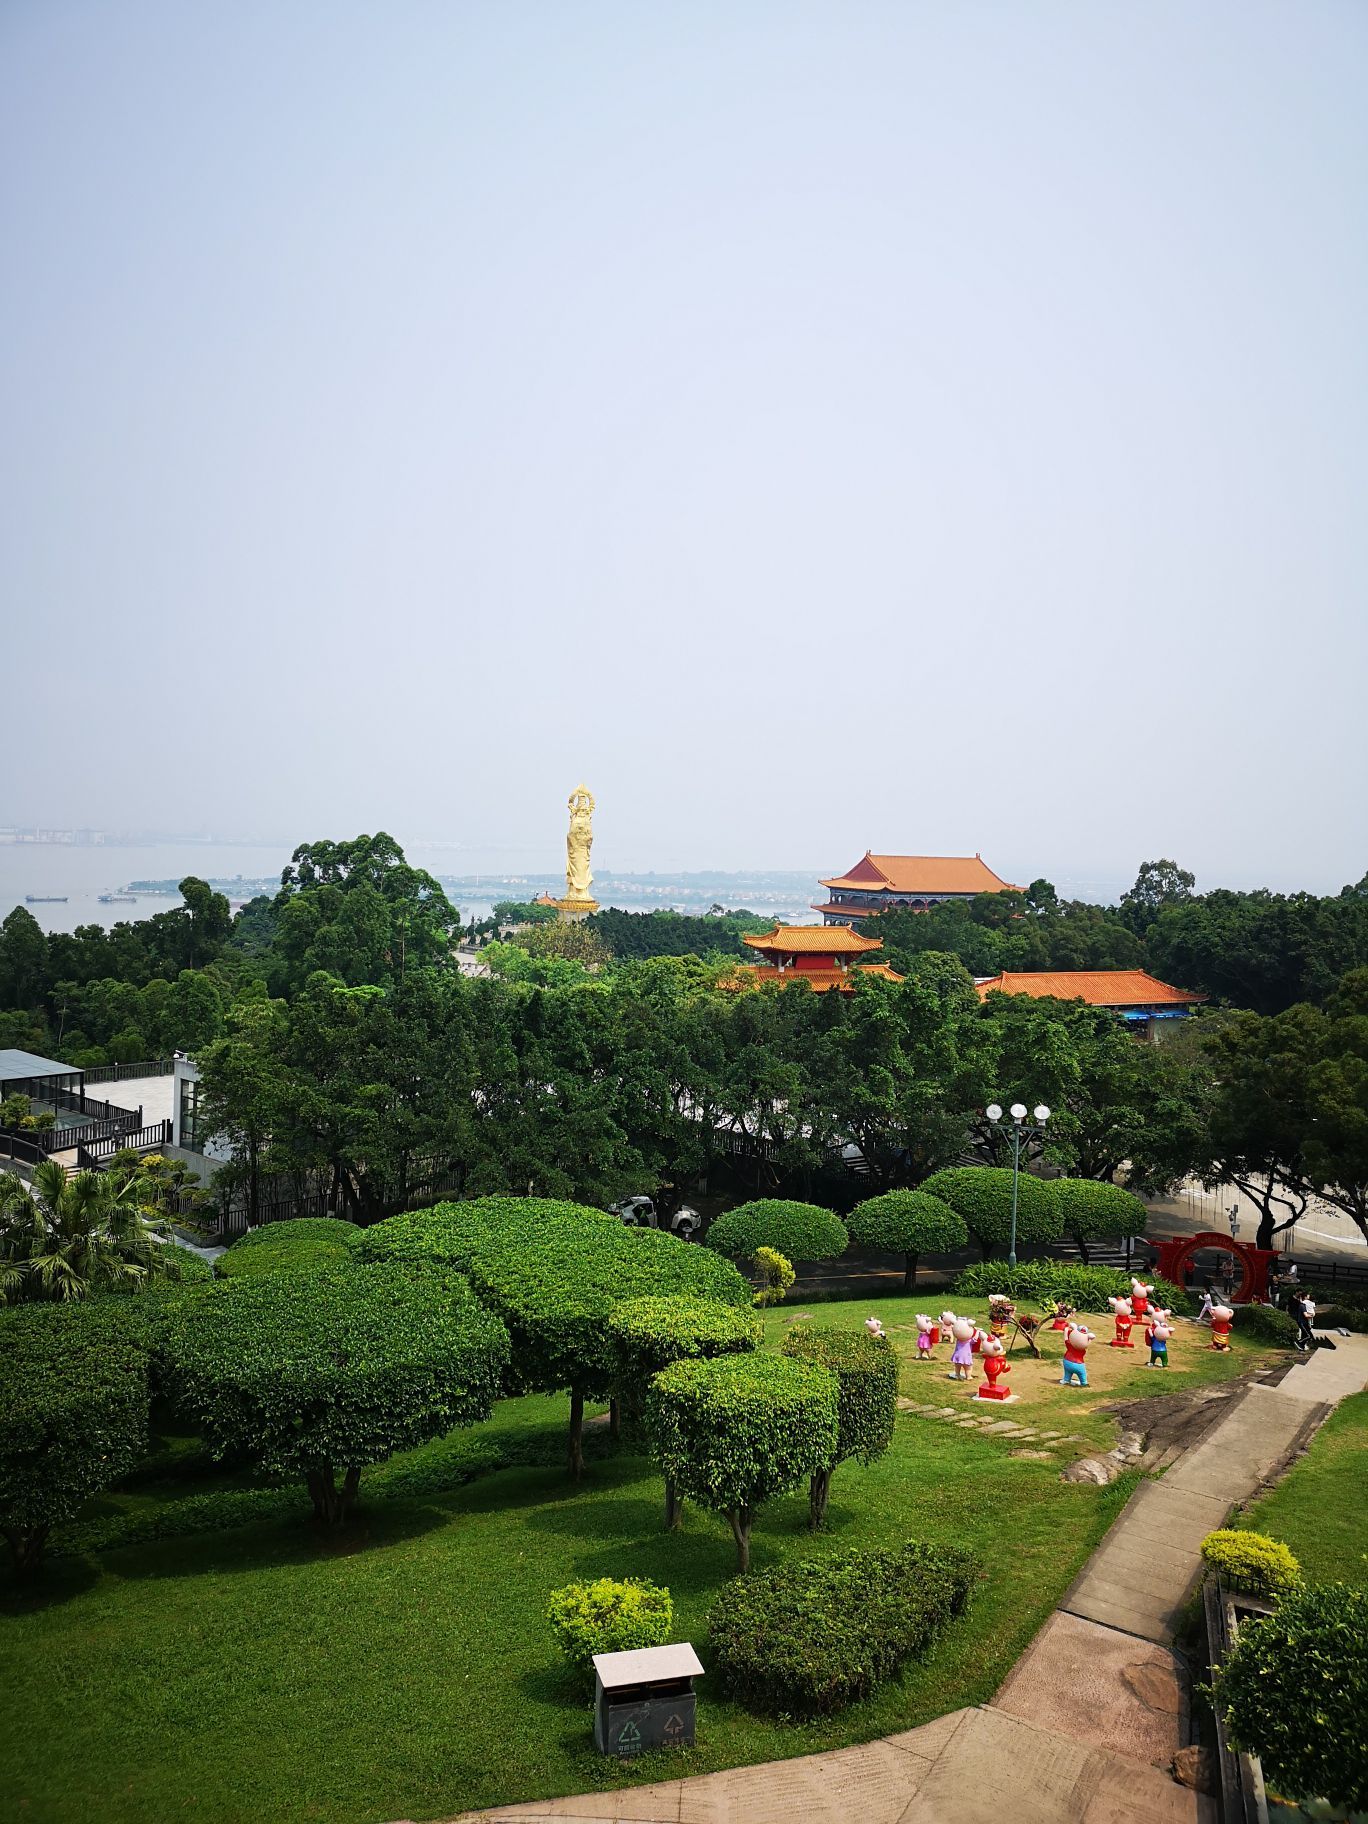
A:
<point x="909" y="1272"/>
<point x="615" y="1418"/>
<point x="740" y="1518"/>
<point x="819" y="1492"/>
<point x="1082" y="1247"/>
<point x="576" y="1434"/>
<point x="986" y="1249"/>
<point x="253" y="1184"/>
<point x="27" y="1545"/>
<point x="332" y="1504"/>
<point x="674" y="1507"/>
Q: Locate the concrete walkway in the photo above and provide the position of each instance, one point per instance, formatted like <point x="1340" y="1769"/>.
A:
<point x="1088" y="1721"/>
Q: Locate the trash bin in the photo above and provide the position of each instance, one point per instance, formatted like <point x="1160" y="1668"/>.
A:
<point x="644" y="1699"/>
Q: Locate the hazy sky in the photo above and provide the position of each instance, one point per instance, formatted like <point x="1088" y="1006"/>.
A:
<point x="929" y="427"/>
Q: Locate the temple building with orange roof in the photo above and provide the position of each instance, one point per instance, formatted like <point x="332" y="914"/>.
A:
<point x="917" y="882"/>
<point x="1141" y="999"/>
<point x="823" y="957"/>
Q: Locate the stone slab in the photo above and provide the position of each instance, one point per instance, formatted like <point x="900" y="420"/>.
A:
<point x="1136" y="1699"/>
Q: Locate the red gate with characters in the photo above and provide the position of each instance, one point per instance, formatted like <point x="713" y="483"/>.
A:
<point x="1178" y="1250"/>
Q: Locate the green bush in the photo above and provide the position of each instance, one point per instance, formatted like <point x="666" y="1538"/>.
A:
<point x="454" y="1233"/>
<point x="305" y="1243"/>
<point x="191" y="1269"/>
<point x="866" y="1371"/>
<point x="1266" y="1324"/>
<point x="554" y="1273"/>
<point x="908" y="1223"/>
<point x="1295" y="1692"/>
<point x="309" y="1375"/>
<point x="650" y="1333"/>
<point x="982" y="1196"/>
<point x="775" y="1274"/>
<point x="1345" y="1308"/>
<point x="1251" y="1562"/>
<point x="74" y="1415"/>
<point x="1085" y="1288"/>
<point x="1092" y="1211"/>
<point x="798" y="1231"/>
<point x="609" y="1617"/>
<point x="812" y="1637"/>
<point x="732" y="1432"/>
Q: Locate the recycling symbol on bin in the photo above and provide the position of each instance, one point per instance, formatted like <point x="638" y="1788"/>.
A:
<point x="675" y="1728"/>
<point x="629" y="1737"/>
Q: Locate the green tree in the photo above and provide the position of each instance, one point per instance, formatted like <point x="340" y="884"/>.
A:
<point x="982" y="1197"/>
<point x="74" y="1416"/>
<point x="734" y="1432"/>
<point x="908" y="1223"/>
<point x="23" y="959"/>
<point x="1090" y="1211"/>
<point x="799" y="1231"/>
<point x="70" y="1238"/>
<point x="866" y="1372"/>
<point x="314" y="1377"/>
<point x="1158" y="884"/>
<point x="243" y="1089"/>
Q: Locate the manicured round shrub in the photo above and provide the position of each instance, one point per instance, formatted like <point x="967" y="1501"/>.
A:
<point x="982" y="1196"/>
<point x="1092" y="1211"/>
<point x="908" y="1223"/>
<point x="732" y="1432"/>
<point x="309" y="1375"/>
<point x="650" y="1333"/>
<point x="454" y="1232"/>
<point x="609" y="1617"/>
<point x="1267" y="1324"/>
<point x="775" y="1274"/>
<point x="1251" y="1562"/>
<point x="555" y="1284"/>
<point x="304" y="1243"/>
<point x="1085" y="1288"/>
<point x="866" y="1371"/>
<point x="798" y="1231"/>
<point x="74" y="1415"/>
<point x="811" y="1637"/>
<point x="1295" y="1692"/>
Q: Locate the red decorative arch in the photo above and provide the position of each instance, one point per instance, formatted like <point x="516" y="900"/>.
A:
<point x="1254" y="1263"/>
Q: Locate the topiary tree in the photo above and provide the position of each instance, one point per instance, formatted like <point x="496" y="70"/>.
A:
<point x="733" y="1432"/>
<point x="1090" y="1210"/>
<point x="286" y="1247"/>
<point x="798" y="1231"/>
<point x="1295" y="1692"/>
<point x="650" y="1333"/>
<point x="74" y="1416"/>
<point x="315" y="1375"/>
<point x="982" y="1196"/>
<point x="453" y="1233"/>
<point x="908" y="1223"/>
<point x="866" y="1371"/>
<point x="775" y="1275"/>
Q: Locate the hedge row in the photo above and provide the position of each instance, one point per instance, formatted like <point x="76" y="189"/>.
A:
<point x="1085" y="1288"/>
<point x="813" y="1637"/>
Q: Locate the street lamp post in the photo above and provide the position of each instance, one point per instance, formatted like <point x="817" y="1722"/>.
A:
<point x="1020" y="1130"/>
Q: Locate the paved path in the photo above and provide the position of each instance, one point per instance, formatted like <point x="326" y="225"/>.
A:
<point x="1087" y="1723"/>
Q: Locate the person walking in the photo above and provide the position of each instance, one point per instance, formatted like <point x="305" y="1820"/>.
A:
<point x="1304" y="1311"/>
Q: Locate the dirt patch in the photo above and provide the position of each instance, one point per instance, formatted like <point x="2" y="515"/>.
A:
<point x="1169" y="1424"/>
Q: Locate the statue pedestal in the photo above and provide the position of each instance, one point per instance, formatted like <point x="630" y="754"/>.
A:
<point x="573" y="910"/>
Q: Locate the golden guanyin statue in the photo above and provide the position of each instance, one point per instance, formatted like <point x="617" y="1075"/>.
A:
<point x="578" y="843"/>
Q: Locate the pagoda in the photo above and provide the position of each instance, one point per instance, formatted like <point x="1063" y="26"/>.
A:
<point x="914" y="882"/>
<point x="824" y="957"/>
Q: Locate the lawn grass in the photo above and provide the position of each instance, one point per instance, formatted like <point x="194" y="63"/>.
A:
<point x="405" y="1670"/>
<point x="1320" y="1508"/>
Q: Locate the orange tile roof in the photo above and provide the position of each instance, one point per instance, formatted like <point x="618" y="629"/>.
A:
<point x="807" y="940"/>
<point x="1098" y="987"/>
<point x="819" y="980"/>
<point x="922" y="874"/>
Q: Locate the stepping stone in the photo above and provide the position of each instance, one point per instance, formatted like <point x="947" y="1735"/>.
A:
<point x="1003" y="1426"/>
<point x="1052" y="1434"/>
<point x="1033" y="1456"/>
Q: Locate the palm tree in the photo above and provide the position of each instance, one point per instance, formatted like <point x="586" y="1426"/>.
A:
<point x="67" y="1237"/>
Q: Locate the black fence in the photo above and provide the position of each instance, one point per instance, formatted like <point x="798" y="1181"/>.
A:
<point x="230" y="1214"/>
<point x="96" y="1154"/>
<point x="119" y="1073"/>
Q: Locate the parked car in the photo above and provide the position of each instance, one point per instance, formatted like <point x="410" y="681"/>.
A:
<point x="641" y="1213"/>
